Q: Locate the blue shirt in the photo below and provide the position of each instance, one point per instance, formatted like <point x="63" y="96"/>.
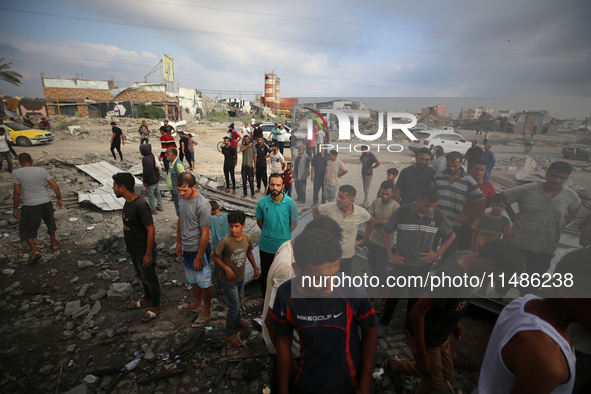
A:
<point x="328" y="330"/>
<point x="277" y="219"/>
<point x="219" y="228"/>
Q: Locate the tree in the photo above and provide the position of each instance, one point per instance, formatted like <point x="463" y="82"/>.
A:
<point x="9" y="76"/>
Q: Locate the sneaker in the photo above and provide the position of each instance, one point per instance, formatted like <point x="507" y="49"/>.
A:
<point x="244" y="196"/>
<point x="234" y="192"/>
<point x="253" y="197"/>
<point x="257" y="191"/>
<point x="227" y="191"/>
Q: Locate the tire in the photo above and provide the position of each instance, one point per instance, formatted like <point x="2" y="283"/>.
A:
<point x="23" y="141"/>
<point x="220" y="145"/>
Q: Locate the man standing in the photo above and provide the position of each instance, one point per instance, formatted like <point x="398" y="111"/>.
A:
<point x="191" y="243"/>
<point x="439" y="163"/>
<point x="277" y="160"/>
<point x="151" y="177"/>
<point x="116" y="140"/>
<point x="281" y="132"/>
<point x="230" y="161"/>
<point x="246" y="131"/>
<point x="335" y="171"/>
<point x="349" y="217"/>
<point x="176" y="168"/>
<point x="274" y="133"/>
<point x="263" y="152"/>
<point x="454" y="187"/>
<point x="140" y="240"/>
<point x="369" y="161"/>
<point x="489" y="158"/>
<point x="415" y="178"/>
<point x="380" y="210"/>
<point x="476" y="171"/>
<point x="318" y="173"/>
<point x="5" y="143"/>
<point x="167" y="141"/>
<point x="473" y="153"/>
<point x="144" y="133"/>
<point x="277" y="216"/>
<point x="416" y="226"/>
<point x="29" y="182"/>
<point x="248" y="166"/>
<point x="545" y="208"/>
<point x="301" y="169"/>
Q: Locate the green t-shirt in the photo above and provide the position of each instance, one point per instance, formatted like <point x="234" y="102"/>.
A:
<point x="248" y="156"/>
<point x="233" y="253"/>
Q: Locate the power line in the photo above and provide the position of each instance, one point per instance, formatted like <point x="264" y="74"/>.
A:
<point x="300" y="41"/>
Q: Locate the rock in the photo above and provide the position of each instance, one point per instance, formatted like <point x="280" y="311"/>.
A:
<point x="81" y="311"/>
<point x="83" y="291"/>
<point x="80" y="389"/>
<point x="61" y="214"/>
<point x="71" y="307"/>
<point x="120" y="291"/>
<point x="213" y="184"/>
<point x="93" y="217"/>
<point x="90" y="380"/>
<point x="46" y="369"/>
<point x="75" y="279"/>
<point x="85" y="264"/>
<point x="112" y="275"/>
<point x="68" y="334"/>
<point x="210" y="371"/>
<point x="98" y="295"/>
<point x="85" y="336"/>
<point x="71" y="348"/>
<point x="8" y="271"/>
<point x="149" y="355"/>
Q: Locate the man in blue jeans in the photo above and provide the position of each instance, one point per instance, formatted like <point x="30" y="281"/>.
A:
<point x="231" y="254"/>
<point x="139" y="234"/>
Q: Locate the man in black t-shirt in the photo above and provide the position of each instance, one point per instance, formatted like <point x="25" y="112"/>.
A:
<point x="230" y="161"/>
<point x="168" y="129"/>
<point x="116" y="139"/>
<point x="436" y="315"/>
<point x="139" y="234"/>
<point x="263" y="152"/>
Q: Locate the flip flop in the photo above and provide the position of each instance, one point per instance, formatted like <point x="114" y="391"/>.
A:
<point x="201" y="321"/>
<point x="34" y="259"/>
<point x="234" y="340"/>
<point x="149" y="316"/>
<point x="395" y="378"/>
<point x="187" y="308"/>
<point x="138" y="305"/>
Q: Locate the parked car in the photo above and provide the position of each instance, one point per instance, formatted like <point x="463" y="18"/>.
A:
<point x="267" y="127"/>
<point x="25" y="136"/>
<point x="448" y="140"/>
<point x="578" y="150"/>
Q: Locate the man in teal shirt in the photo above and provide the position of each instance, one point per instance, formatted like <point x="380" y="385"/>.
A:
<point x="277" y="216"/>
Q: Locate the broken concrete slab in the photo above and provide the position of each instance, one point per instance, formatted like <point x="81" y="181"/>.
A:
<point x="119" y="291"/>
<point x="85" y="264"/>
<point x="98" y="295"/>
<point x="81" y="311"/>
<point x="527" y="169"/>
<point x="94" y="217"/>
<point x="83" y="291"/>
<point x="71" y="307"/>
<point x="112" y="275"/>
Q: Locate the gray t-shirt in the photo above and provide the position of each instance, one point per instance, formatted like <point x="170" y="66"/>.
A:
<point x="248" y="156"/>
<point x="33" y="181"/>
<point x="194" y="214"/>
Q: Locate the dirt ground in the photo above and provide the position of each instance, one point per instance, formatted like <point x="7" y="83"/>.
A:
<point x="43" y="348"/>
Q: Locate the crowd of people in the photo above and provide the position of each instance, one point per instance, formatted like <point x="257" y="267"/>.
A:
<point x="324" y="338"/>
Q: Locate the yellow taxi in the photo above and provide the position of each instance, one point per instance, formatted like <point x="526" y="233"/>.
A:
<point x="25" y="136"/>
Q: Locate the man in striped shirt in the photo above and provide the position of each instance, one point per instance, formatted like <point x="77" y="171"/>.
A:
<point x="455" y="186"/>
<point x="416" y="225"/>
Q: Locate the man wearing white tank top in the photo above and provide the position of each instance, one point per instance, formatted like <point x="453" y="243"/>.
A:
<point x="530" y="350"/>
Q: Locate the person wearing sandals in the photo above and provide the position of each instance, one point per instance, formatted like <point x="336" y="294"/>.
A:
<point x="139" y="235"/>
<point x="191" y="243"/>
<point x="231" y="254"/>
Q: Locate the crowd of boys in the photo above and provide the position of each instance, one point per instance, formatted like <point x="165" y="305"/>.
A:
<point x="323" y="338"/>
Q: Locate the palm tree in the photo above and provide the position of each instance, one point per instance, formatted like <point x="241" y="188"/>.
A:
<point x="9" y="76"/>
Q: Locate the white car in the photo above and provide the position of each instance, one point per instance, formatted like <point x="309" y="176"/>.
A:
<point x="448" y="140"/>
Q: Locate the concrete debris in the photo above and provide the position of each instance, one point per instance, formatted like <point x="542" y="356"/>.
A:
<point x="527" y="169"/>
<point x="83" y="310"/>
<point x="119" y="291"/>
<point x="83" y="291"/>
<point x="85" y="264"/>
<point x="98" y="295"/>
<point x="71" y="307"/>
<point x="111" y="275"/>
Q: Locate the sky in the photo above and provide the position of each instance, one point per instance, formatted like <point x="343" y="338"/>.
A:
<point x="535" y="50"/>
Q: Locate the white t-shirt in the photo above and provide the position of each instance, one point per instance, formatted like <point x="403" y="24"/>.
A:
<point x="3" y="144"/>
<point x="281" y="137"/>
<point x="246" y="131"/>
<point x="252" y="121"/>
<point x="276" y="161"/>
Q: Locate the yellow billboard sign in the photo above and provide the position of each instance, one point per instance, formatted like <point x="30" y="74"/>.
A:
<point x="168" y="69"/>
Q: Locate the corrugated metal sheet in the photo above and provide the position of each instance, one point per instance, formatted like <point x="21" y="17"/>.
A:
<point x="75" y="84"/>
<point x="104" y="198"/>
